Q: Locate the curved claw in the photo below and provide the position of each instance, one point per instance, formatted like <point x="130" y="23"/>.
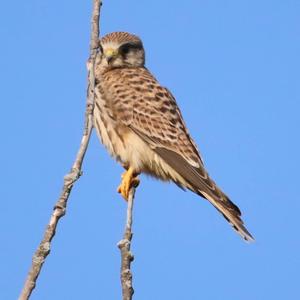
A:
<point x="129" y="180"/>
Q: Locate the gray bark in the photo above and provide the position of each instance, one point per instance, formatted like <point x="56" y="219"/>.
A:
<point x="60" y="207"/>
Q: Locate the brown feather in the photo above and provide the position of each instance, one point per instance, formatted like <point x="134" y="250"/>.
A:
<point x="141" y="125"/>
<point x="201" y="184"/>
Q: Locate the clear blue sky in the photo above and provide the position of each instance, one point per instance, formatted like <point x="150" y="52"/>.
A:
<point x="234" y="69"/>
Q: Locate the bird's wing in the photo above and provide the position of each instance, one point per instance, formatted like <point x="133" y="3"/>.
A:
<point x="152" y="113"/>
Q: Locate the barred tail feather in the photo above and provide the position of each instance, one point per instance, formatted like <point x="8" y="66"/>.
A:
<point x="231" y="215"/>
<point x="198" y="181"/>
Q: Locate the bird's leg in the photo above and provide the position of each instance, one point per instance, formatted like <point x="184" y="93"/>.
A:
<point x="129" y="180"/>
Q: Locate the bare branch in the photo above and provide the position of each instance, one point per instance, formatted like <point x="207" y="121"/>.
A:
<point x="69" y="180"/>
<point x="126" y="255"/>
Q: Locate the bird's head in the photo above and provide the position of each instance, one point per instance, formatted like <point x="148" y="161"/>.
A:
<point x="122" y="49"/>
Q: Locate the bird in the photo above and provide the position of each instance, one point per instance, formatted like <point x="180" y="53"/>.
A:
<point x="141" y="126"/>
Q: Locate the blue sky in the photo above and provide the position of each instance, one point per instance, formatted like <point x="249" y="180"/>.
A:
<point x="234" y="69"/>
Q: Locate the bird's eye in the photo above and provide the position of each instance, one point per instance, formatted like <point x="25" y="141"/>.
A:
<point x="125" y="49"/>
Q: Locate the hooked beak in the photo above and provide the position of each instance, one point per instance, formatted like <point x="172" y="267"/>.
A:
<point x="110" y="54"/>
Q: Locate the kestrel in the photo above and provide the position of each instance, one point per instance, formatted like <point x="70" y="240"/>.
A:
<point x="141" y="125"/>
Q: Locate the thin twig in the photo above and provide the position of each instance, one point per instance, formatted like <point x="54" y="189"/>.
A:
<point x="69" y="180"/>
<point x="126" y="255"/>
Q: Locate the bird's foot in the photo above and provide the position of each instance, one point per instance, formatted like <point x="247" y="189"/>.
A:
<point x="129" y="180"/>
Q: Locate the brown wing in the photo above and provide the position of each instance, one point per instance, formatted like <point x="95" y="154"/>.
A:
<point x="152" y="113"/>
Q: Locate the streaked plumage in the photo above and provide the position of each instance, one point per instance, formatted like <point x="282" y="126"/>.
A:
<point x="140" y="124"/>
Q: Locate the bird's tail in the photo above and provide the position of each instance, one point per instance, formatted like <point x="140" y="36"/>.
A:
<point x="197" y="180"/>
<point x="230" y="212"/>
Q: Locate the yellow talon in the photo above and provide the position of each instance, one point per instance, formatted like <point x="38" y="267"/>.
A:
<point x="129" y="180"/>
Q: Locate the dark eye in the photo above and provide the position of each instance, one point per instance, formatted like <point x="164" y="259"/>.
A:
<point x="125" y="49"/>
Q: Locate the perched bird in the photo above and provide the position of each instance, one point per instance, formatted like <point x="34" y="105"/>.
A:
<point x="141" y="125"/>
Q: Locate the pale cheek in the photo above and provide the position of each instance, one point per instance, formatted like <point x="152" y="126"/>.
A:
<point x="118" y="62"/>
<point x="131" y="60"/>
<point x="134" y="59"/>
